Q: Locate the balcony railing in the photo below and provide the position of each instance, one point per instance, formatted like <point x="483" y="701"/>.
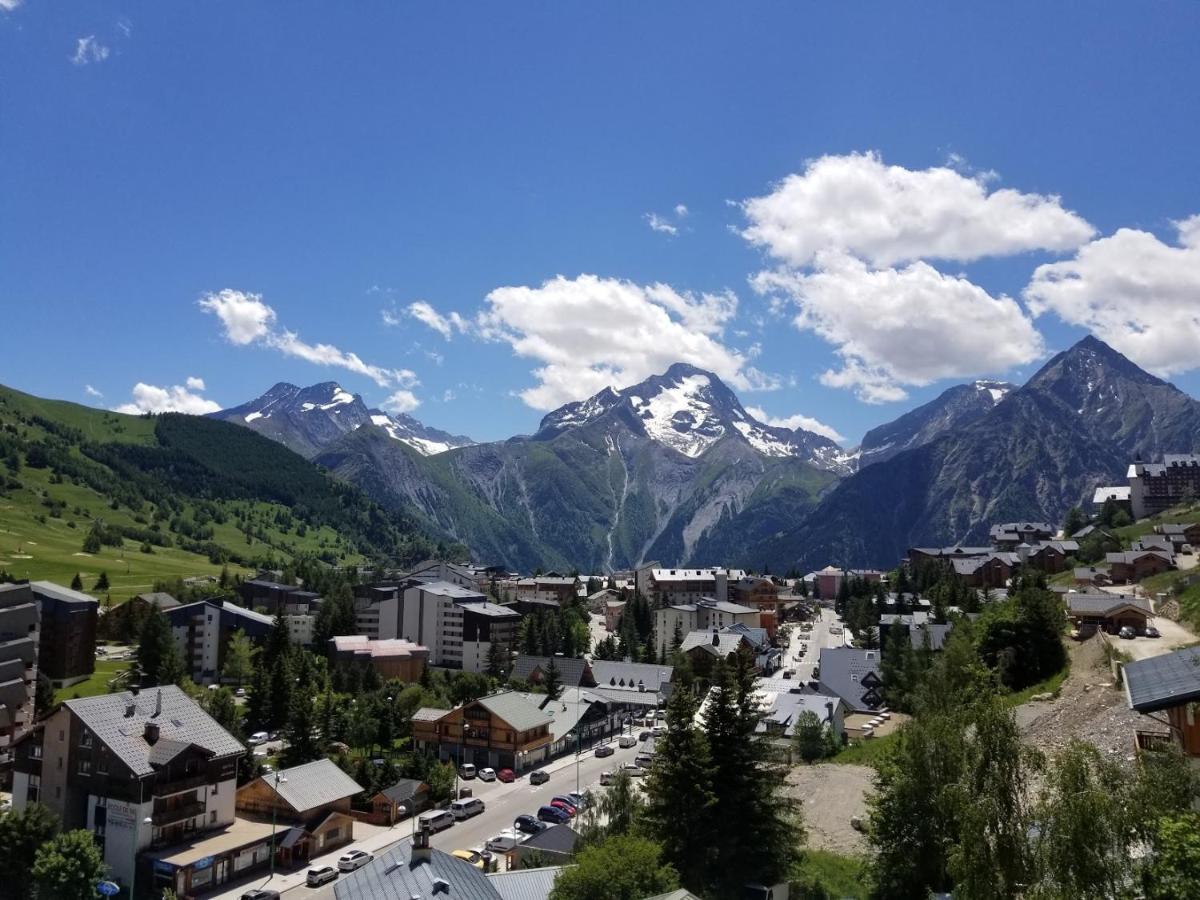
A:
<point x="1153" y="741"/>
<point x="179" y="785"/>
<point x="178" y="814"/>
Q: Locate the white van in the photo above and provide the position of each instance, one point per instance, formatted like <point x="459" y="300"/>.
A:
<point x="466" y="770"/>
<point x="259" y="737"/>
<point x="436" y="820"/>
<point x="464" y="809"/>
<point x="626" y="741"/>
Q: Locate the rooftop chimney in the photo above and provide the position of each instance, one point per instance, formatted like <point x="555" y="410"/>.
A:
<point x="151" y="733"/>
<point x="421" y="853"/>
<point x="158" y="703"/>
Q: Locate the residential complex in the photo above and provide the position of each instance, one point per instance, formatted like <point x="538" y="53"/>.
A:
<point x="18" y="667"/>
<point x="67" y="643"/>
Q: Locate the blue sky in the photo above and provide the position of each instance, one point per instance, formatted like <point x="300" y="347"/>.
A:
<point x="335" y="166"/>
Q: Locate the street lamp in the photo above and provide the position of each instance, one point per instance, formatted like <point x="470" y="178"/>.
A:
<point x="279" y="779"/>
<point x="133" y="871"/>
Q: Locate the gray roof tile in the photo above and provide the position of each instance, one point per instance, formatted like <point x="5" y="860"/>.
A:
<point x="313" y="784"/>
<point x="514" y="709"/>
<point x="394" y="876"/>
<point x="1162" y="682"/>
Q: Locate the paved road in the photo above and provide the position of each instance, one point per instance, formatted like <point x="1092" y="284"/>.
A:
<point x="819" y="637"/>
<point x="504" y="803"/>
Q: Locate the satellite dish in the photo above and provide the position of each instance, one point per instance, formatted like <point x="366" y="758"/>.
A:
<point x="108" y="889"/>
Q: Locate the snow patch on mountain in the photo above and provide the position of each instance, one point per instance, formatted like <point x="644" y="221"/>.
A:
<point x="250" y="417"/>
<point x="680" y="416"/>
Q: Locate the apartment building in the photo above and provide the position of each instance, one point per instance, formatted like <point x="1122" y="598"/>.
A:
<point x="1156" y="487"/>
<point x="667" y="586"/>
<point x="67" y="640"/>
<point x="18" y="668"/>
<point x="138" y="770"/>
<point x="457" y="624"/>
<point x="202" y="631"/>
<point x="706" y="614"/>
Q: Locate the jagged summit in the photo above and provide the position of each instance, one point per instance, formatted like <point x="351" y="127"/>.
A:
<point x="309" y="419"/>
<point x="690" y="410"/>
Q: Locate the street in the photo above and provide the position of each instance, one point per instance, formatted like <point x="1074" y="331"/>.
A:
<point x="504" y="803"/>
<point x="819" y="637"/>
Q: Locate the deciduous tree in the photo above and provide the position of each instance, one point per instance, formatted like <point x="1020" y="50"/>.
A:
<point x="619" y="868"/>
<point x="68" y="867"/>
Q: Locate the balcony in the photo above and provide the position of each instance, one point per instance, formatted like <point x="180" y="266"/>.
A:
<point x="179" y="785"/>
<point x="178" y="814"/>
<point x="1153" y="741"/>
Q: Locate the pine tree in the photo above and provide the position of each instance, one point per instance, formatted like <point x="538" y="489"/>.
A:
<point x="552" y="680"/>
<point x="77" y="583"/>
<point x="157" y="656"/>
<point x="680" y="797"/>
<point x="498" y="660"/>
<point x="101" y="582"/>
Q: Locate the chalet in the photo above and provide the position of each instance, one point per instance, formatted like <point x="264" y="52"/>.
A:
<point x="919" y="556"/>
<point x="1180" y="534"/>
<point x="761" y="594"/>
<point x="985" y="572"/>
<point x="784" y="701"/>
<point x="313" y="799"/>
<point x="556" y="589"/>
<point x="853" y="675"/>
<point x="405" y="798"/>
<point x="1092" y="576"/>
<point x="1127" y="567"/>
<point x="704" y="647"/>
<point x="502" y="730"/>
<point x="140" y="771"/>
<point x="1048" y="556"/>
<point x="1167" y="689"/>
<point x="1010" y="535"/>
<point x="554" y="845"/>
<point x="1154" y="542"/>
<point x="572" y="671"/>
<point x="1107" y="612"/>
<point x="1119" y="494"/>
<point x="634" y="684"/>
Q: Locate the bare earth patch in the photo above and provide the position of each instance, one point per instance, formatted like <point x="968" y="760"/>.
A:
<point x="831" y="795"/>
<point x="1090" y="707"/>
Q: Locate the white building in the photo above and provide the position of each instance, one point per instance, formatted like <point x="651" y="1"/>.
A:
<point x="455" y="623"/>
<point x="705" y="614"/>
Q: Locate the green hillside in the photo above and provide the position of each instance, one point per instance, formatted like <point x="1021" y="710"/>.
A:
<point x="145" y="498"/>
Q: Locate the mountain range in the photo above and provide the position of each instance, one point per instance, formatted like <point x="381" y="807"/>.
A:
<point x="676" y="469"/>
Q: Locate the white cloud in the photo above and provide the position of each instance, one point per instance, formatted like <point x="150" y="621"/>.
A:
<point x="911" y="326"/>
<point x="9" y="5"/>
<point x="401" y="402"/>
<point x="448" y="395"/>
<point x="89" y="50"/>
<point x="888" y="215"/>
<point x="591" y="332"/>
<point x="681" y="211"/>
<point x="808" y="423"/>
<point x="1132" y="291"/>
<point x="659" y="224"/>
<point x="390" y="317"/>
<point x="443" y="325"/>
<point x="149" y="398"/>
<point x="246" y="319"/>
<point x="91" y="391"/>
<point x="195" y="384"/>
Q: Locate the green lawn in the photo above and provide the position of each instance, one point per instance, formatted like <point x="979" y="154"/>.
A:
<point x="866" y="753"/>
<point x="106" y="670"/>
<point x="836" y="875"/>
<point x="1051" y="685"/>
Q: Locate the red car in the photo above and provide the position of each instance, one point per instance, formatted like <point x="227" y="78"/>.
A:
<point x="564" y="806"/>
<point x="506" y="775"/>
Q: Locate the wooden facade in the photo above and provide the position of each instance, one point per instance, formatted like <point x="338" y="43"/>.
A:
<point x="475" y="734"/>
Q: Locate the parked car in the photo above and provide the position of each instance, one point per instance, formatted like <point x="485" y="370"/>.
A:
<point x="1127" y="633"/>
<point x="605" y="750"/>
<point x="487" y="774"/>
<point x="633" y="769"/>
<point x="528" y="824"/>
<point x="355" y="859"/>
<point x="505" y="841"/>
<point x="474" y="857"/>
<point x="259" y="737"/>
<point x="260" y="895"/>
<point x="539" y="776"/>
<point x="553" y="815"/>
<point x="787" y="673"/>
<point x="508" y="776"/>
<point x="644" y="736"/>
<point x="323" y="875"/>
<point x="578" y="799"/>
<point x="626" y="741"/>
<point x="606" y="778"/>
<point x="645" y="760"/>
<point x="565" y="807"/>
<point x="466" y="771"/>
<point x="1151" y="632"/>
<point x="240" y="692"/>
<point x="435" y="820"/>
<point x="658" y="730"/>
<point x="466" y="809"/>
<point x="572" y="800"/>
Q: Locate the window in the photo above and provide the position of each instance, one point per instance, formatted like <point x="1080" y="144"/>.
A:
<point x="85" y="767"/>
<point x="102" y="766"/>
<point x="85" y="738"/>
<point x="215" y="789"/>
<point x="212" y="817"/>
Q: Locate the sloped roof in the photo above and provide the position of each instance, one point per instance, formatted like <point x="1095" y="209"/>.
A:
<point x="555" y="839"/>
<point x="181" y="720"/>
<point x="313" y="784"/>
<point x="394" y="875"/>
<point x="717" y="642"/>
<point x="402" y="790"/>
<point x="60" y="593"/>
<point x="514" y="709"/>
<point x="1162" y="682"/>
<point x="525" y="884"/>
<point x="1104" y="604"/>
<point x="571" y="670"/>
<point x="428" y="714"/>
<point x="611" y="673"/>
<point x="937" y="635"/>
<point x="843" y="670"/>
